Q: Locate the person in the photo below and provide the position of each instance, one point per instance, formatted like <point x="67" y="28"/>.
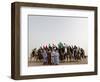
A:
<point x="56" y="57"/>
<point x="52" y="56"/>
<point x="44" y="54"/>
<point x="65" y="53"/>
<point x="49" y="57"/>
<point x="39" y="54"/>
<point x="32" y="55"/>
<point x="82" y="53"/>
<point x="68" y="54"/>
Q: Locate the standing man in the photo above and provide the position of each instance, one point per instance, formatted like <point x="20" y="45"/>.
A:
<point x="52" y="56"/>
<point x="49" y="57"/>
<point x="44" y="54"/>
<point x="56" y="57"/>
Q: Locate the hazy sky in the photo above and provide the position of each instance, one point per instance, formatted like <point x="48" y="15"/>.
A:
<point x="52" y="29"/>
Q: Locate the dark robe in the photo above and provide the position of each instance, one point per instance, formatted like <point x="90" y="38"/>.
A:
<point x="49" y="57"/>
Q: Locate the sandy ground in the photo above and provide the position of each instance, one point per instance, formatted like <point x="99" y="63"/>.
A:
<point x="73" y="62"/>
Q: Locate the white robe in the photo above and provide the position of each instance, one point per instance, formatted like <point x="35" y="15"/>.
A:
<point x="52" y="57"/>
<point x="56" y="58"/>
